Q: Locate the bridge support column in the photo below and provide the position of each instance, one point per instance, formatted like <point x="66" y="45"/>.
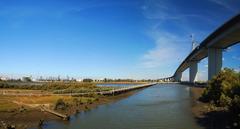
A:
<point x="193" y="69"/>
<point x="178" y="77"/>
<point x="214" y="62"/>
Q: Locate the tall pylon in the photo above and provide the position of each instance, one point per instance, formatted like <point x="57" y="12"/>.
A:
<point x="194" y="43"/>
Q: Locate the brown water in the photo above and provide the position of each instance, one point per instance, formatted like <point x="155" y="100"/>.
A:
<point x="163" y="106"/>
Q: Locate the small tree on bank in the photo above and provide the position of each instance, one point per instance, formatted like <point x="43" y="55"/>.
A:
<point x="224" y="90"/>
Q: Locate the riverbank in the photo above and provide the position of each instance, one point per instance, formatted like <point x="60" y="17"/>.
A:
<point x="209" y="116"/>
<point x="21" y="115"/>
<point x="198" y="107"/>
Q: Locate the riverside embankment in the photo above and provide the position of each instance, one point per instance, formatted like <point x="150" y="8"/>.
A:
<point x="26" y="110"/>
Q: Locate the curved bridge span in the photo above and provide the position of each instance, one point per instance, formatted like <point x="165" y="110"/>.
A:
<point x="225" y="36"/>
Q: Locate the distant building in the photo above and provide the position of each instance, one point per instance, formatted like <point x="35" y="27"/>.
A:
<point x="4" y="78"/>
<point x="79" y="80"/>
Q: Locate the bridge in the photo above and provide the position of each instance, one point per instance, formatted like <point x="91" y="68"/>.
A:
<point x="212" y="47"/>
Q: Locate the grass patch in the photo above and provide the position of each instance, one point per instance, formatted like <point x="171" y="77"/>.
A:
<point x="6" y="104"/>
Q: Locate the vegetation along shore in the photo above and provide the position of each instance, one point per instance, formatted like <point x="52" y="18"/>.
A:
<point x="218" y="105"/>
<point x="25" y="105"/>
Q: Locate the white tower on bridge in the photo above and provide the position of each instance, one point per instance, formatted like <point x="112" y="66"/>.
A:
<point x="194" y="43"/>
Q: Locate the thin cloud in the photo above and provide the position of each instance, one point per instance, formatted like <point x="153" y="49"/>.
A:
<point x="225" y="4"/>
<point x="165" y="10"/>
<point x="166" y="52"/>
<point x="236" y="58"/>
<point x="202" y="75"/>
<point x="59" y="11"/>
<point x="171" y="46"/>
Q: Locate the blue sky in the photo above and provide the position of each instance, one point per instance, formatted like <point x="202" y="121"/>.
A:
<point x="107" y="38"/>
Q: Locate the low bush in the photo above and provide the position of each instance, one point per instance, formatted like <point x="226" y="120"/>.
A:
<point x="60" y="104"/>
<point x="224" y="90"/>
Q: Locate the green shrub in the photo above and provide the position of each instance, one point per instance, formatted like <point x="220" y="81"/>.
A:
<point x="60" y="104"/>
<point x="235" y="105"/>
<point x="225" y="101"/>
<point x="224" y="90"/>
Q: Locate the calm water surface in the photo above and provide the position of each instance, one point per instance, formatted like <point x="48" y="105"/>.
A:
<point x="163" y="106"/>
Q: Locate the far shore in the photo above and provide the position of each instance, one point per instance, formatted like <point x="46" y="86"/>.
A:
<point x="121" y="82"/>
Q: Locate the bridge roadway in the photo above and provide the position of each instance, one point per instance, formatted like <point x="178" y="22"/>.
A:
<point x="225" y="36"/>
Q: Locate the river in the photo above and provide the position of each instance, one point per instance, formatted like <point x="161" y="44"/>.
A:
<point x="163" y="106"/>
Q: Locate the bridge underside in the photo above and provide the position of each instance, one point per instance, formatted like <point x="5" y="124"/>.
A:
<point x="224" y="37"/>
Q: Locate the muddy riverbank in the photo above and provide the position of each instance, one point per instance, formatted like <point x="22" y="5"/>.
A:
<point x="209" y="116"/>
<point x="25" y="117"/>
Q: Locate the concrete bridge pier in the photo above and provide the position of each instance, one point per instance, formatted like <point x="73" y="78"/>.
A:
<point x="178" y="77"/>
<point x="164" y="79"/>
<point x="193" y="69"/>
<point x="167" y="80"/>
<point x="214" y="62"/>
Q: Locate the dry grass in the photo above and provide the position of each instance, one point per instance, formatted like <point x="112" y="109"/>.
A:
<point x="22" y="91"/>
<point x="51" y="99"/>
<point x="42" y="99"/>
<point x="6" y="103"/>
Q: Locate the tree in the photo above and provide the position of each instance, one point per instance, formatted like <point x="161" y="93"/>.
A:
<point x="224" y="90"/>
<point x="60" y="104"/>
<point x="26" y="79"/>
<point x="87" y="80"/>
